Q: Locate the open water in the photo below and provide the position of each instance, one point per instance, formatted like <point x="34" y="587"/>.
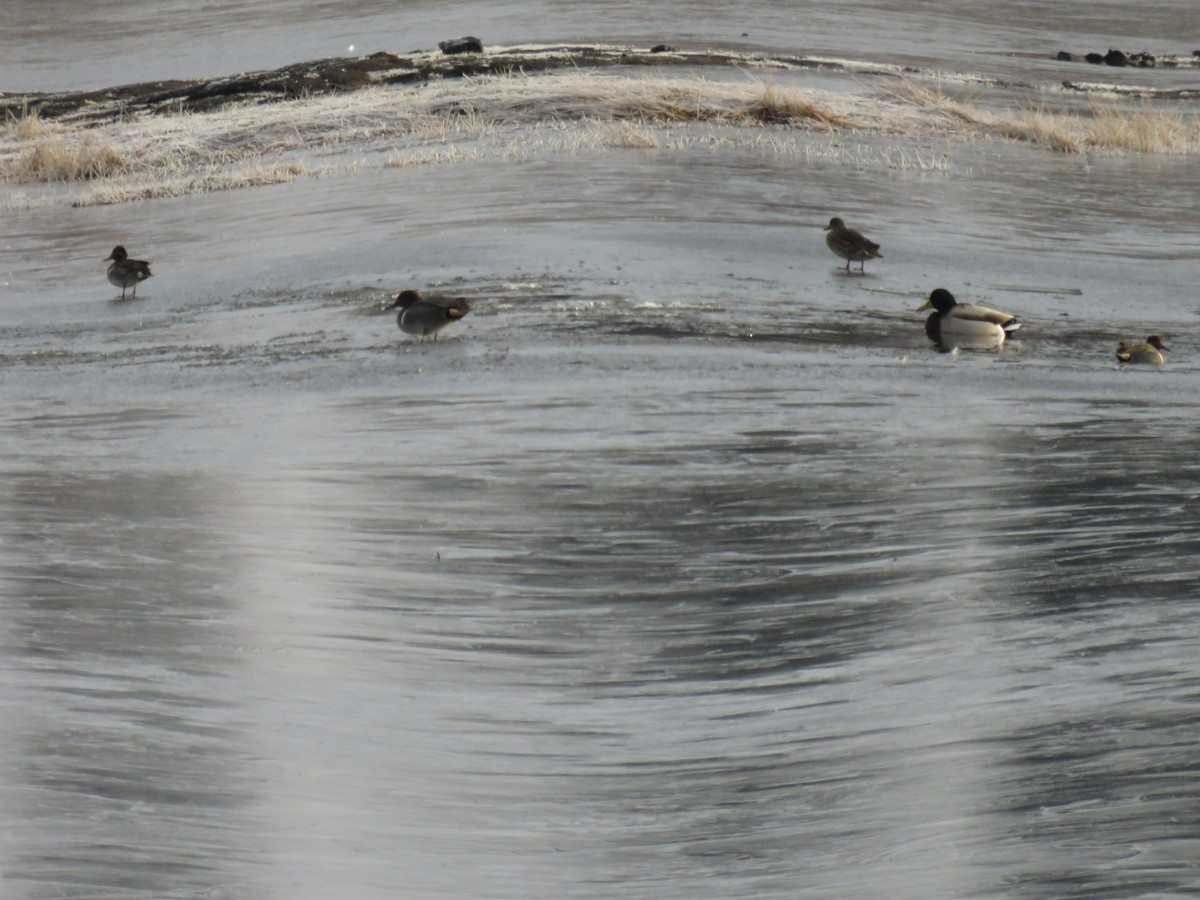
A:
<point x="684" y="566"/>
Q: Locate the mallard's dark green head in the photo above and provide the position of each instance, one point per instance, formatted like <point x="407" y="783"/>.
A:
<point x="941" y="300"/>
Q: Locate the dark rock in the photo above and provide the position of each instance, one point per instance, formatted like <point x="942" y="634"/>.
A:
<point x="1065" y="56"/>
<point x="1094" y="58"/>
<point x="663" y="48"/>
<point x="462" y="45"/>
<point x="1115" y="58"/>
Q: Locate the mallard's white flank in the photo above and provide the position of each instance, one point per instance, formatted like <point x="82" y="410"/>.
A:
<point x="974" y="323"/>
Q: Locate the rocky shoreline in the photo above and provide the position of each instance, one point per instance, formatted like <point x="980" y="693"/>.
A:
<point x="341" y="74"/>
<point x="1138" y="60"/>
<point x="457" y="58"/>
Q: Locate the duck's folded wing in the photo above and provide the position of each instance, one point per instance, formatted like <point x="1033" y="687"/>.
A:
<point x="972" y="313"/>
<point x="454" y="308"/>
<point x="861" y="243"/>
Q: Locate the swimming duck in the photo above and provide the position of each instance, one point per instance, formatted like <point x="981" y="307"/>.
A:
<point x="1149" y="352"/>
<point x="959" y="322"/>
<point x="126" y="272"/>
<point x="424" y="317"/>
<point x="850" y="245"/>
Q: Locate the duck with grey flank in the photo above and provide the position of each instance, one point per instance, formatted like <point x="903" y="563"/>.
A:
<point x="953" y="321"/>
<point x="427" y="316"/>
<point x="126" y="272"/>
<point x="850" y="245"/>
<point x="1150" y="351"/>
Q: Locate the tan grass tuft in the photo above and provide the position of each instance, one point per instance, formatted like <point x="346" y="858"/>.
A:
<point x="62" y="159"/>
<point x="1058" y="131"/>
<point x="781" y="105"/>
<point x="29" y="126"/>
<point x="928" y="99"/>
<point x="1145" y="130"/>
<point x="217" y="178"/>
<point x="675" y="103"/>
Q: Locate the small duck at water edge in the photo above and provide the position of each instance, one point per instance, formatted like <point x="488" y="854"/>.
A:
<point x="850" y="245"/>
<point x="126" y="272"/>
<point x="426" y="316"/>
<point x="1151" y="351"/>
<point x="964" y="324"/>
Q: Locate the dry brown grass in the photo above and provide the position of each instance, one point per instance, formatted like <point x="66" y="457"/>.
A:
<point x="1144" y="130"/>
<point x="702" y="101"/>
<point x="70" y="158"/>
<point x="521" y="99"/>
<point x="29" y="126"/>
<point x="521" y="115"/>
<point x="672" y="103"/>
<point x="1061" y="132"/>
<point x="215" y="178"/>
<point x="928" y="99"/>
<point x="788" y="105"/>
<point x="1037" y="126"/>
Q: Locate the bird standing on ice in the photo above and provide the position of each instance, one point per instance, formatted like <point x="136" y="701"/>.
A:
<point x="850" y="245"/>
<point x="424" y="317"/>
<point x="126" y="272"/>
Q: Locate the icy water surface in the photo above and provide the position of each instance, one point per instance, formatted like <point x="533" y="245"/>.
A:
<point x="684" y="566"/>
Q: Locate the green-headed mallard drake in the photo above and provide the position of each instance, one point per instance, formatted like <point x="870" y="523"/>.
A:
<point x="1151" y="351"/>
<point x="850" y="245"/>
<point x="965" y="321"/>
<point x="126" y="272"/>
<point x="425" y="317"/>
